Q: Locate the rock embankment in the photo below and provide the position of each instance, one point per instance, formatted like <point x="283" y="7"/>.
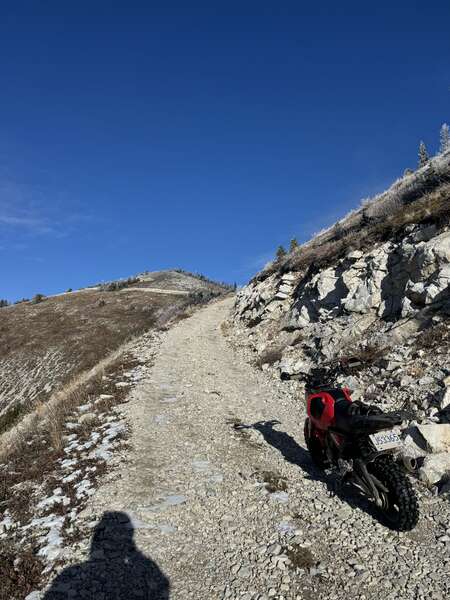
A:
<point x="388" y="306"/>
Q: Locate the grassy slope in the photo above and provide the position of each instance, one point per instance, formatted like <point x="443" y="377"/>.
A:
<point x="44" y="345"/>
<point x="421" y="197"/>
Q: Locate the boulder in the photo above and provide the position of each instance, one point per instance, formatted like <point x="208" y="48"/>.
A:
<point x="285" y="289"/>
<point x="281" y="295"/>
<point x="291" y="368"/>
<point x="288" y="277"/>
<point x="445" y="400"/>
<point x="325" y="284"/>
<point x="424" y="234"/>
<point x="411" y="448"/>
<point x="355" y="255"/>
<point x="435" y="468"/>
<point x="436" y="436"/>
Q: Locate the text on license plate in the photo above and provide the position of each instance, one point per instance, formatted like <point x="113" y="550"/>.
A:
<point x="384" y="440"/>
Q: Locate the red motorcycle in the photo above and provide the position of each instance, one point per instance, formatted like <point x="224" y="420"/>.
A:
<point x="358" y="442"/>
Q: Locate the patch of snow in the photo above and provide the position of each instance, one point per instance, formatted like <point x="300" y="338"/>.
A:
<point x="200" y="466"/>
<point x="68" y="463"/>
<point x="281" y="497"/>
<point x="72" y="476"/>
<point x="56" y="498"/>
<point x="36" y="595"/>
<point x="84" y="488"/>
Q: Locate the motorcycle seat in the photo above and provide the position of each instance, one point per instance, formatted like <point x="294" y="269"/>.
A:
<point x="348" y="423"/>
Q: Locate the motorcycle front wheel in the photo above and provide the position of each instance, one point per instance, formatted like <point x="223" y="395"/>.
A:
<point x="400" y="508"/>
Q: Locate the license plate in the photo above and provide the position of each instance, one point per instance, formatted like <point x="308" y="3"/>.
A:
<point x="385" y="440"/>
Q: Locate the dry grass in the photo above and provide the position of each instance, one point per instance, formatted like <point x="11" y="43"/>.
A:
<point x="225" y="328"/>
<point x="434" y="337"/>
<point x="274" y="482"/>
<point x="20" y="574"/>
<point x="300" y="557"/>
<point x="44" y="346"/>
<point x="365" y="355"/>
<point x="30" y="467"/>
<point x="425" y="206"/>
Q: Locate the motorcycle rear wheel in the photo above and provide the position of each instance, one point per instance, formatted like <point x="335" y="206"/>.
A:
<point x="315" y="448"/>
<point x="400" y="507"/>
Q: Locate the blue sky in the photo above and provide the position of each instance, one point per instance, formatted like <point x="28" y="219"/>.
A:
<point x="205" y="134"/>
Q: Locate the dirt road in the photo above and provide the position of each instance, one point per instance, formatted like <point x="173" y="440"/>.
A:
<point x="223" y="502"/>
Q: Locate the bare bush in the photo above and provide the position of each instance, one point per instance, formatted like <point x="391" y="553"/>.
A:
<point x="115" y="286"/>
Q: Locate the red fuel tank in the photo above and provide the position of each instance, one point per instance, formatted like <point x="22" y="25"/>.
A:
<point x="320" y="406"/>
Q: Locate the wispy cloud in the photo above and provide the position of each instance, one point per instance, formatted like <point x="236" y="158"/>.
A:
<point x="29" y="222"/>
<point x="32" y="210"/>
<point x="21" y="207"/>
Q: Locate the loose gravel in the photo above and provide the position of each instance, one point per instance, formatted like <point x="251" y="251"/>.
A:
<point x="219" y="499"/>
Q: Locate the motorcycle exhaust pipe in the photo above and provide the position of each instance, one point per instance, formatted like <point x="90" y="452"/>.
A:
<point x="410" y="463"/>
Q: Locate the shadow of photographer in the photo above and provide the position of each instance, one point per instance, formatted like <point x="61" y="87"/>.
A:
<point x="115" y="570"/>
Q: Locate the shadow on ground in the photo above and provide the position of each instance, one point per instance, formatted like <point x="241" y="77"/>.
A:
<point x="116" y="569"/>
<point x="298" y="456"/>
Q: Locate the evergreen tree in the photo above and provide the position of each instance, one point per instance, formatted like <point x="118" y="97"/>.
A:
<point x="444" y="139"/>
<point x="423" y="155"/>
<point x="293" y="245"/>
<point x="280" y="252"/>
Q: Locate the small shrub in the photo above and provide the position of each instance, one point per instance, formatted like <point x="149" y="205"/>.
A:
<point x="115" y="286"/>
<point x="281" y="253"/>
<point x="433" y="337"/>
<point x="423" y="155"/>
<point x="274" y="482"/>
<point x="365" y="356"/>
<point x="444" y="139"/>
<point x="293" y="245"/>
<point x="37" y="298"/>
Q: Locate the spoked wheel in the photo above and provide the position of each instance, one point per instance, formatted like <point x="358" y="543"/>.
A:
<point x="400" y="508"/>
<point x="314" y="446"/>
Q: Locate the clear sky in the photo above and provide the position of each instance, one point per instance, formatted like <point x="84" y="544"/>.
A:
<point x="143" y="135"/>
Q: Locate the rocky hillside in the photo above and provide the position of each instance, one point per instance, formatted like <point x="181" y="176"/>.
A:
<point x="49" y="341"/>
<point x="374" y="286"/>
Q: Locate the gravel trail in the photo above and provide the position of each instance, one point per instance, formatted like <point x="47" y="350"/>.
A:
<point x="223" y="501"/>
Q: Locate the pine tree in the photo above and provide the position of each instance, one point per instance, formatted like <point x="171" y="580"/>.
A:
<point x="444" y="139"/>
<point x="423" y="155"/>
<point x="280" y="252"/>
<point x="293" y="245"/>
